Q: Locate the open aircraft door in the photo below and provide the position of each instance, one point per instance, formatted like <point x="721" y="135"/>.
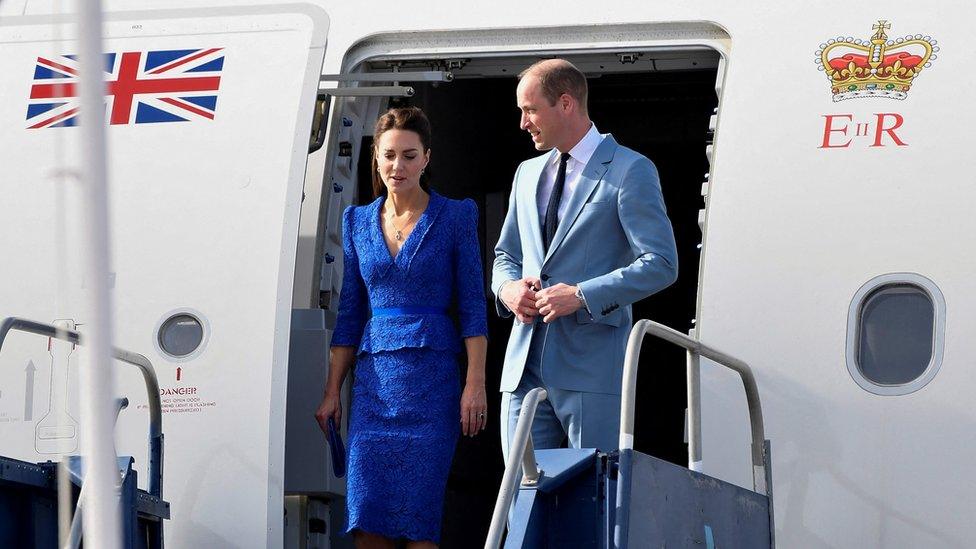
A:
<point x="209" y="113"/>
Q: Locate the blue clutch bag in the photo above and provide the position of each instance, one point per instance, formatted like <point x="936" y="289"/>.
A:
<point x="338" y="450"/>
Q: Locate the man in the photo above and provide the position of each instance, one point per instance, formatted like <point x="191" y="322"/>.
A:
<point x="585" y="236"/>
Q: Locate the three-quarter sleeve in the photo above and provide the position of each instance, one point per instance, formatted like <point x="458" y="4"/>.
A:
<point x="472" y="307"/>
<point x="353" y="301"/>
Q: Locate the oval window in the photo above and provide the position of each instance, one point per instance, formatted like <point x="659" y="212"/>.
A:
<point x="895" y="334"/>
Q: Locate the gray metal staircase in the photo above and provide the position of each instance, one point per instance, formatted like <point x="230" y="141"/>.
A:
<point x="29" y="492"/>
<point x="591" y="499"/>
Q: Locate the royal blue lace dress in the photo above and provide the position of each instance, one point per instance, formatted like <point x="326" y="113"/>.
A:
<point x="405" y="416"/>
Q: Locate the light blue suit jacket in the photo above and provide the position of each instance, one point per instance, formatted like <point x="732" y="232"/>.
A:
<point x="615" y="242"/>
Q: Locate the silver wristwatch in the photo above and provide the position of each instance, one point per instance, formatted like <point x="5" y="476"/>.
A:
<point x="582" y="300"/>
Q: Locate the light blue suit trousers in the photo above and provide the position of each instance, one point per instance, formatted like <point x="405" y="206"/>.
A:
<point x="582" y="419"/>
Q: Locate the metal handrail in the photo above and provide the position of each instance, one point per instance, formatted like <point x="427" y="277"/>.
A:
<point x="137" y="360"/>
<point x="695" y="349"/>
<point x="521" y="450"/>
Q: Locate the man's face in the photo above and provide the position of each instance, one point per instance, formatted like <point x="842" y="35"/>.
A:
<point x="545" y="123"/>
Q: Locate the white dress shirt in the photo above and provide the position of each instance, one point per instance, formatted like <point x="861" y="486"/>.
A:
<point x="579" y="156"/>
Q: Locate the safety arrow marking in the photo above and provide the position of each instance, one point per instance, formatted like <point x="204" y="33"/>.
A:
<point x="29" y="391"/>
<point x="179" y="373"/>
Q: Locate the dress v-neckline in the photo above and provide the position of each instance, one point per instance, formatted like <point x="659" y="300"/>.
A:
<point x="379" y="224"/>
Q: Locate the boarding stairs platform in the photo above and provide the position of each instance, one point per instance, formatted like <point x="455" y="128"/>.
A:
<point x="585" y="498"/>
<point x="29" y="491"/>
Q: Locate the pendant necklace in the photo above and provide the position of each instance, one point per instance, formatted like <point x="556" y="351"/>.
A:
<point x="399" y="233"/>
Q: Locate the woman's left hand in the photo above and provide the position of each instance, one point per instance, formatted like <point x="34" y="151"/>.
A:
<point x="474" y="409"/>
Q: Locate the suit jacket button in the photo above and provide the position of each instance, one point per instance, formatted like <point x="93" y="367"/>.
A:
<point x="545" y="278"/>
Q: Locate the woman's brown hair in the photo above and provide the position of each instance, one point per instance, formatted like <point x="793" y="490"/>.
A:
<point x="406" y="118"/>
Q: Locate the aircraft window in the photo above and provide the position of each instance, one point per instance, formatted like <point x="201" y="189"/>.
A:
<point x="895" y="334"/>
<point x="180" y="335"/>
<point x="895" y="337"/>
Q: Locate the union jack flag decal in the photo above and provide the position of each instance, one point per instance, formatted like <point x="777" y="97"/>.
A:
<point x="141" y="87"/>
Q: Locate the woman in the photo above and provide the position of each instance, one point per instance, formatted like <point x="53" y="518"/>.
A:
<point x="408" y="256"/>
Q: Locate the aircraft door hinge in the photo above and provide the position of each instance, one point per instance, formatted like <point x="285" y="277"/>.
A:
<point x="396" y="77"/>
<point x="629" y="58"/>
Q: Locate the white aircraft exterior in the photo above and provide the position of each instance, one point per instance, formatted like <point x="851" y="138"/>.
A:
<point x="826" y="201"/>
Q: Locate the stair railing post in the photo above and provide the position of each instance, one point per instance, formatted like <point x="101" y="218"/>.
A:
<point x="697" y="349"/>
<point x="521" y="455"/>
<point x="694" y="411"/>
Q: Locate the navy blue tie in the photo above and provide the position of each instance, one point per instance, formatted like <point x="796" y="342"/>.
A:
<point x="552" y="210"/>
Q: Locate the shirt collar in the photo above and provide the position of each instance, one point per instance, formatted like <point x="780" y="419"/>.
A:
<point x="584" y="149"/>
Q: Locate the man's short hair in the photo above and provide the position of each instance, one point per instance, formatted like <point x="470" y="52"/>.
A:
<point x="556" y="77"/>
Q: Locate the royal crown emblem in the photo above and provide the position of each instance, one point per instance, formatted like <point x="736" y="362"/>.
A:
<point x="879" y="67"/>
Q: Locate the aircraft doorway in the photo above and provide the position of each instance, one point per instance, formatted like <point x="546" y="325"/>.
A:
<point x="477" y="145"/>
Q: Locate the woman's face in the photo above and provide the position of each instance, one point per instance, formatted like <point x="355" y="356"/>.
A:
<point x="400" y="159"/>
